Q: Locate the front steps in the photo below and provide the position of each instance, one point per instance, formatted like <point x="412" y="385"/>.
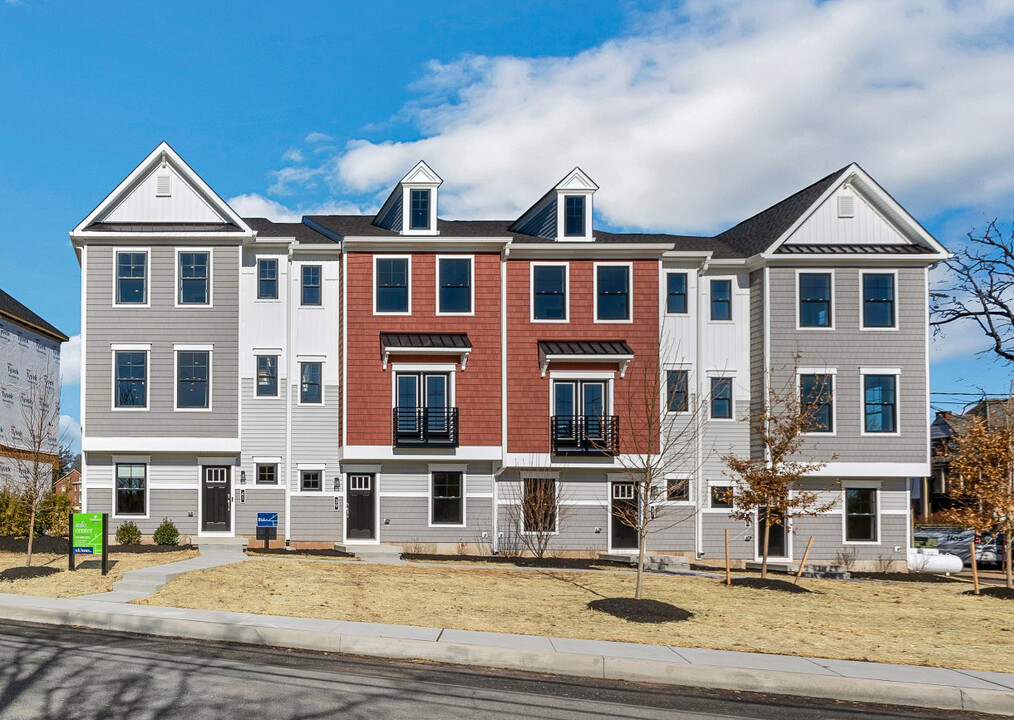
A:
<point x="674" y="564"/>
<point x="383" y="554"/>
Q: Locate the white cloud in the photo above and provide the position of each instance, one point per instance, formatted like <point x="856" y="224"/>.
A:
<point x="254" y="205"/>
<point x="70" y="432"/>
<point x="293" y="155"/>
<point x="707" y="114"/>
<point x="318" y="137"/>
<point x="70" y="361"/>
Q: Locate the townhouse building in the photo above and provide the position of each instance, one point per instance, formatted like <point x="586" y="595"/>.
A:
<point x="401" y="378"/>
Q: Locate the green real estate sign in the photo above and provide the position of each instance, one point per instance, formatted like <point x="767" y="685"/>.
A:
<point x="86" y="534"/>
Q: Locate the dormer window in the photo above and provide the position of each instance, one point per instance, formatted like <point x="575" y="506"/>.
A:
<point x="573" y="215"/>
<point x="420" y="210"/>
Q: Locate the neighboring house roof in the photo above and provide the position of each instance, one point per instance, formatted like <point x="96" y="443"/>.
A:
<point x="15" y="311"/>
<point x="303" y="233"/>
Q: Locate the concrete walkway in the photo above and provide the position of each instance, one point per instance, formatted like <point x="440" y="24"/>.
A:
<point x="751" y="672"/>
<point x="137" y="584"/>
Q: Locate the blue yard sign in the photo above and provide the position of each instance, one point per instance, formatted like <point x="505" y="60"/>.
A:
<point x="267" y="520"/>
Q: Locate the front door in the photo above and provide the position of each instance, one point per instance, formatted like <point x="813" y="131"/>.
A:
<point x="623" y="507"/>
<point x="778" y="540"/>
<point x="216" y="500"/>
<point x="361" y="508"/>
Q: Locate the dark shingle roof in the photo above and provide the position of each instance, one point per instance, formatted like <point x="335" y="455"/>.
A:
<point x="584" y="347"/>
<point x="303" y="233"/>
<point x="840" y="249"/>
<point x="756" y="234"/>
<point x="451" y="341"/>
<point x="14" y="310"/>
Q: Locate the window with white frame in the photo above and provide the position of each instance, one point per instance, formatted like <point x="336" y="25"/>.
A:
<point x="549" y="292"/>
<point x="310" y="288"/>
<point x="677" y="391"/>
<point x="267" y="376"/>
<point x="267" y="474"/>
<point x="816" y="402"/>
<point x="721" y="398"/>
<point x="613" y="288"/>
<point x="573" y="216"/>
<point x="677" y="489"/>
<point x="720" y="497"/>
<point x="676" y="293"/>
<point x="721" y="300"/>
<point x="454" y="278"/>
<point x="447" y="498"/>
<point x="193" y="379"/>
<point x="880" y="403"/>
<point x="861" y="515"/>
<point x="267" y="279"/>
<point x="195" y="278"/>
<point x="419" y="212"/>
<point x="310" y="389"/>
<point x="131" y="488"/>
<point x="131" y="278"/>
<point x="815" y="289"/>
<point x="878" y="300"/>
<point x="131" y="379"/>
<point x="392" y="285"/>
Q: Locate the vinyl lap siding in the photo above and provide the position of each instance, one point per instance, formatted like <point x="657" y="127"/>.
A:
<point x="406" y="519"/>
<point x="314" y="519"/>
<point x="257" y="501"/>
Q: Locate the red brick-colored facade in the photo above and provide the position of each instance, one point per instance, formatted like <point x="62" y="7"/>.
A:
<point x="477" y="389"/>
<point x="528" y="393"/>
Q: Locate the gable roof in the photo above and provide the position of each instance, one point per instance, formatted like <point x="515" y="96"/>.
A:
<point x="18" y="313"/>
<point x="301" y="232"/>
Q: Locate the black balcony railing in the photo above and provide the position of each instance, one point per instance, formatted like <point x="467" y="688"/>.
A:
<point x="585" y="434"/>
<point x="425" y="427"/>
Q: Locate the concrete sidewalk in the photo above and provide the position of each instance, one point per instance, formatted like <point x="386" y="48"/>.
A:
<point x="750" y="672"/>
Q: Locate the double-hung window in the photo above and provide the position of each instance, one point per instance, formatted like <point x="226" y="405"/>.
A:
<point x="310" y="286"/>
<point x="861" y="515"/>
<point x="267" y="474"/>
<point x="721" y="299"/>
<point x="193" y="379"/>
<point x="131" y="278"/>
<point x="676" y="293"/>
<point x="880" y="400"/>
<point x="816" y="402"/>
<point x="539" y="505"/>
<point x="310" y="383"/>
<point x="721" y="398"/>
<point x="267" y="376"/>
<point x="613" y="286"/>
<point x="195" y="278"/>
<point x="419" y="216"/>
<point x="131" y="379"/>
<point x="448" y="499"/>
<point x="549" y="292"/>
<point x="454" y="292"/>
<point x="815" y="300"/>
<point x="573" y="216"/>
<point x="391" y="293"/>
<point x="676" y="391"/>
<point x="267" y="279"/>
<point x="878" y="300"/>
<point x="131" y="489"/>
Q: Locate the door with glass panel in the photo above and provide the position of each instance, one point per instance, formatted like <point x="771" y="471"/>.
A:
<point x="422" y="412"/>
<point x="579" y="414"/>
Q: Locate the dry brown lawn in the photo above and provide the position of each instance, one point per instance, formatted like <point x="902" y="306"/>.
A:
<point x="87" y="579"/>
<point x="899" y="623"/>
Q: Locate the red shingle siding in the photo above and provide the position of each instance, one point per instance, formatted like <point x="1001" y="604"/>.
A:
<point x="477" y="389"/>
<point x="528" y="408"/>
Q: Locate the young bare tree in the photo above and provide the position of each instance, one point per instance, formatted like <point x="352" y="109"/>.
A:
<point x="37" y="453"/>
<point x="766" y="486"/>
<point x="660" y="449"/>
<point x="535" y="509"/>
<point x="983" y="490"/>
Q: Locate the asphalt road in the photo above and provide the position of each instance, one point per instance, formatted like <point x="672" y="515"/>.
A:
<point x="59" y="673"/>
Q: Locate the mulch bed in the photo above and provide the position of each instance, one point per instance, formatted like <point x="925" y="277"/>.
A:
<point x="770" y="584"/>
<point x="145" y="549"/>
<point x="906" y="577"/>
<point x="1001" y="593"/>
<point x="641" y="611"/>
<point x="549" y="563"/>
<point x="322" y="552"/>
<point x="27" y="573"/>
<point x="42" y="544"/>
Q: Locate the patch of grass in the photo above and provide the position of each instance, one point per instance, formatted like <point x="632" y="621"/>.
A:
<point x="640" y="611"/>
<point x="907" y="624"/>
<point x="87" y="579"/>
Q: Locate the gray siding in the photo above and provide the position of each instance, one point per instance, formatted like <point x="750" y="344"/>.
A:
<point x="315" y="435"/>
<point x="543" y="222"/>
<point x="263" y="424"/>
<point x="756" y="356"/>
<point x="315" y="519"/>
<point x="162" y="325"/>
<point x="258" y="501"/>
<point x="177" y="505"/>
<point x="848" y="348"/>
<point x="406" y="519"/>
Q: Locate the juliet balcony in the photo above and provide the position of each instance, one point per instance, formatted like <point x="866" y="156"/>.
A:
<point x="585" y="434"/>
<point x="425" y="427"/>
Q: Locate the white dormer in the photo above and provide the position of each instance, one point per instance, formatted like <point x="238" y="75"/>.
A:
<point x="564" y="213"/>
<point x="412" y="208"/>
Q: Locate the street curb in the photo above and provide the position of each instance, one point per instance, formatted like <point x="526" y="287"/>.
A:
<point x="659" y="672"/>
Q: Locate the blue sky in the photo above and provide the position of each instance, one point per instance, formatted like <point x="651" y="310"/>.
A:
<point x="690" y="116"/>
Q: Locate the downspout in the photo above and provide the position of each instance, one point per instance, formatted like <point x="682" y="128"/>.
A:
<point x="288" y="396"/>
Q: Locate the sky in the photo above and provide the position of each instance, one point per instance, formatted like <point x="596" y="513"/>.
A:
<point x="690" y="117"/>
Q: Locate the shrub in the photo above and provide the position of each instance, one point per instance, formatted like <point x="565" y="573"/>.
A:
<point x="13" y="514"/>
<point x="50" y="517"/>
<point x="53" y="515"/>
<point x="166" y="533"/>
<point x="128" y="534"/>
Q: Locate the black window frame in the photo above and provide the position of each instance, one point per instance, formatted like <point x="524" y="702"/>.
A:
<point x="892" y="404"/>
<point x="193" y="377"/>
<point x="259" y="476"/>
<point x="447" y="500"/>
<point x="443" y="285"/>
<point x="130" y="278"/>
<point x="602" y="293"/>
<point x="311" y="294"/>
<point x="388" y="284"/>
<point x="574" y="211"/>
<point x="305" y="385"/>
<point x="422" y="211"/>
<point x="118" y="380"/>
<point x="815" y="304"/>
<point x="817" y="390"/>
<point x="273" y="367"/>
<point x="267" y="291"/>
<point x="677" y="489"/>
<point x="184" y="281"/>
<point x="677" y="388"/>
<point x="561" y="293"/>
<point x="890" y="303"/>
<point x="716" y="384"/>
<point x="140" y="493"/>
<point x="530" y="486"/>
<point x="676" y="298"/>
<point x="868" y="512"/>
<point x="307" y="479"/>
<point x="717" y="302"/>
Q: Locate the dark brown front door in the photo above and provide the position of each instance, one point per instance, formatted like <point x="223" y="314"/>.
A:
<point x="216" y="504"/>
<point x="361" y="507"/>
